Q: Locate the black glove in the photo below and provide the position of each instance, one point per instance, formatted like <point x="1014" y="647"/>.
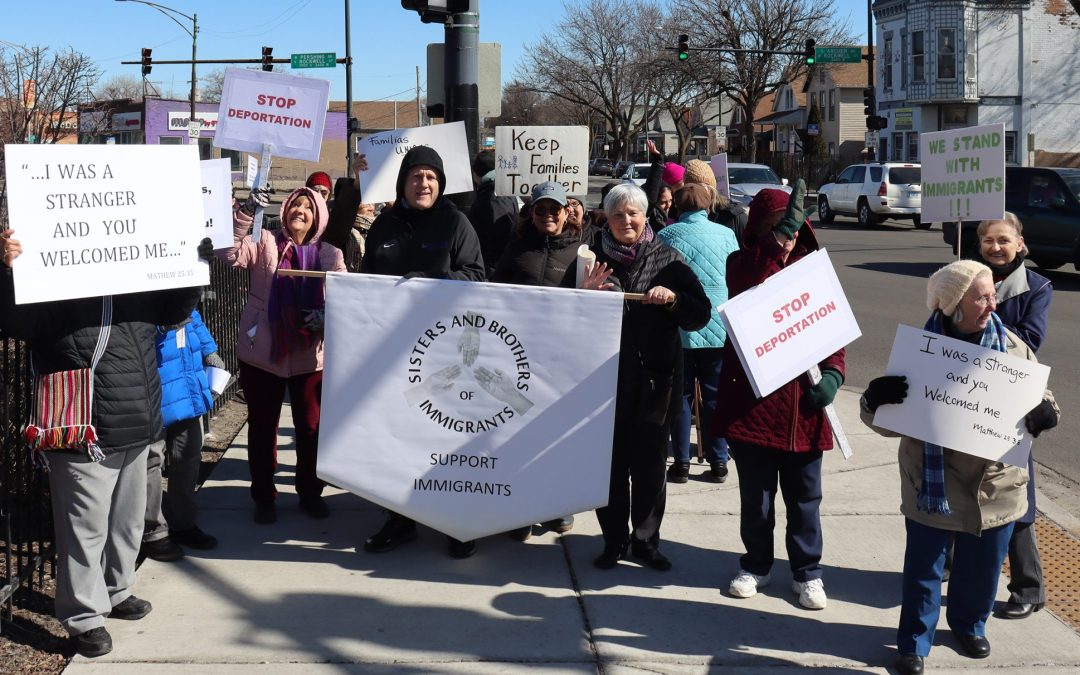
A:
<point x="259" y="198"/>
<point x="889" y="389"/>
<point x="794" y="217"/>
<point x="416" y="275"/>
<point x="206" y="249"/>
<point x="1042" y="417"/>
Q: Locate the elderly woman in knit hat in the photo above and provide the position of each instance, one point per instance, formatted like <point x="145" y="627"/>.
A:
<point x="948" y="495"/>
<point x="782" y="436"/>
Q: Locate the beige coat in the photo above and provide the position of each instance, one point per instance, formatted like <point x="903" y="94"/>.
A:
<point x="981" y="494"/>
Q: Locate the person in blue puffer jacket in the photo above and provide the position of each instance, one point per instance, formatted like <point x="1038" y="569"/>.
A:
<point x="184" y="352"/>
<point x="706" y="246"/>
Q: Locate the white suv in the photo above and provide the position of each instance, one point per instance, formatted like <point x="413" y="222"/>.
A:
<point x="874" y="192"/>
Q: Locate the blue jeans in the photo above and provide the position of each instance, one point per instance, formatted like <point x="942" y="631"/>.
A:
<point x="972" y="584"/>
<point x="702" y="365"/>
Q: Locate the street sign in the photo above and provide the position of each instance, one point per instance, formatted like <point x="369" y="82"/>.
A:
<point x="323" y="60"/>
<point x="194" y="126"/>
<point x="871" y="139"/>
<point x="838" y="54"/>
<point x="813" y="129"/>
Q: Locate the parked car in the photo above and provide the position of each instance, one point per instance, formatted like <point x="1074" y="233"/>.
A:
<point x="639" y="173"/>
<point x="874" y="192"/>
<point x="1047" y="202"/>
<point x="621" y="168"/>
<point x="601" y="166"/>
<point x="745" y="180"/>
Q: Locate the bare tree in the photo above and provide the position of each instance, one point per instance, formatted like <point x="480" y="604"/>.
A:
<point x="596" y="58"/>
<point x="120" y="86"/>
<point x="766" y="25"/>
<point x="212" y="84"/>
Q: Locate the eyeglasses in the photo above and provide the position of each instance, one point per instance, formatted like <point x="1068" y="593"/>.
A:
<point x="984" y="300"/>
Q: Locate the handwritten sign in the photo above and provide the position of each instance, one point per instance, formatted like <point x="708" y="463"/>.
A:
<point x="719" y="169"/>
<point x="963" y="396"/>
<point x="963" y="174"/>
<point x="105" y="219"/>
<point x="217" y="201"/>
<point x="526" y="156"/>
<point x="789" y="323"/>
<point x="286" y="112"/>
<point x="385" y="151"/>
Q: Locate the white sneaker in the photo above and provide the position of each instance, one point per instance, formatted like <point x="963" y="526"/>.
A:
<point x="746" y="585"/>
<point x="811" y="593"/>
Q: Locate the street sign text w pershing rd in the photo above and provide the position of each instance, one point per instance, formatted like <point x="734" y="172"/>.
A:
<point x="324" y="60"/>
<point x="838" y="54"/>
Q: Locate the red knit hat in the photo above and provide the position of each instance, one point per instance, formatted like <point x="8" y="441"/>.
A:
<point x="766" y="201"/>
<point x="319" y="178"/>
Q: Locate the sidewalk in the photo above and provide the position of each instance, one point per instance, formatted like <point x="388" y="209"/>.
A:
<point x="297" y="597"/>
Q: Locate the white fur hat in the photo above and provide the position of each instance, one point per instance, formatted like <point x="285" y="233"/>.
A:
<point x="948" y="285"/>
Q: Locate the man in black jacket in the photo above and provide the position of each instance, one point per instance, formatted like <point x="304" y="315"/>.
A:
<point x="493" y="218"/>
<point x="99" y="506"/>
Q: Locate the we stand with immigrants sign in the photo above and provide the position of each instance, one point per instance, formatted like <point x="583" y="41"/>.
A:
<point x="472" y="408"/>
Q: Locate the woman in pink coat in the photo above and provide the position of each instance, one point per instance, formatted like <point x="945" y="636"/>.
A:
<point x="280" y="342"/>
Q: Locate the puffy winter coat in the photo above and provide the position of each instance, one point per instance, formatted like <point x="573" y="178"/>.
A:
<point x="494" y="219"/>
<point x="782" y="420"/>
<point x="534" y="259"/>
<point x="705" y="246"/>
<point x="254" y="341"/>
<point x="185" y="391"/>
<point x="1024" y="303"/>
<point x="438" y="242"/>
<point x="126" y="410"/>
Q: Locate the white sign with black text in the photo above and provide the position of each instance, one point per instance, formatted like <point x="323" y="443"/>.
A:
<point x="217" y="201"/>
<point x="525" y="156"/>
<point x="386" y="150"/>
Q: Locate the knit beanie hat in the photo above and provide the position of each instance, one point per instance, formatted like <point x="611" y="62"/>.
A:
<point x="673" y="173"/>
<point x="948" y="285"/>
<point x="766" y="201"/>
<point x="698" y="171"/>
<point x="319" y="178"/>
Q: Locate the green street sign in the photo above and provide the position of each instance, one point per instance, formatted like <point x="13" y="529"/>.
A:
<point x="324" y="60"/>
<point x="838" y="54"/>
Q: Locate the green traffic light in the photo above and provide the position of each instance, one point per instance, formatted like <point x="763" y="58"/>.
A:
<point x="683" y="56"/>
<point x="810" y="60"/>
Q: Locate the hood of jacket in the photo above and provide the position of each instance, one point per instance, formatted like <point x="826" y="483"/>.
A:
<point x="322" y="214"/>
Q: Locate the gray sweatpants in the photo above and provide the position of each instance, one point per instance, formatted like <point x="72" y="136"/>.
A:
<point x="156" y="526"/>
<point x="98" y="511"/>
<point x="183" y="444"/>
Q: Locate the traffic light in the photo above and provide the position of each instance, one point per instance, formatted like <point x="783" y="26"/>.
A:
<point x="267" y="58"/>
<point x="146" y="66"/>
<point x="435" y="11"/>
<point x="876" y="123"/>
<point x="684" y="47"/>
<point x="869" y="99"/>
<point x="811" y="51"/>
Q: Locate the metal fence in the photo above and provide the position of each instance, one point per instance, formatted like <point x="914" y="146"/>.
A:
<point x="27" y="557"/>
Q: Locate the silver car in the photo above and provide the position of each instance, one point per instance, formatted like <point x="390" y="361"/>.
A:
<point x="745" y="180"/>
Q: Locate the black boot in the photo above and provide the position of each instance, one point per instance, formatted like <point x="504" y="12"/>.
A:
<point x="650" y="556"/>
<point x="611" y="556"/>
<point x="396" y="531"/>
<point x="94" y="642"/>
<point x="678" y="472"/>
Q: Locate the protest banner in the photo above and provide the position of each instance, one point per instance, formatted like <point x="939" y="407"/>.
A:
<point x="469" y="409"/>
<point x="217" y="201"/>
<point x="963" y="174"/>
<point x="719" y="169"/>
<point x="963" y="396"/>
<point x="790" y="322"/>
<point x="285" y="112"/>
<point x="385" y="151"/>
<point x="104" y="219"/>
<point x="526" y="156"/>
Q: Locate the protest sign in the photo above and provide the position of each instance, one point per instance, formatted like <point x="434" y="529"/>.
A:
<point x="284" y="112"/>
<point x="526" y="156"/>
<point x="217" y="201"/>
<point x="719" y="169"/>
<point x="467" y="410"/>
<point x="789" y="323"/>
<point x="962" y="396"/>
<point x="105" y="219"/>
<point x="963" y="174"/>
<point x="252" y="171"/>
<point x="385" y="151"/>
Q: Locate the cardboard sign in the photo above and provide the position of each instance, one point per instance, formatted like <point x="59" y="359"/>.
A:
<point x="217" y="201"/>
<point x="963" y="174"/>
<point x="526" y="156"/>
<point x="719" y="169"/>
<point x="385" y="150"/>
<point x="105" y="219"/>
<point x="791" y="322"/>
<point x="963" y="396"/>
<point x="283" y="111"/>
<point x="465" y="410"/>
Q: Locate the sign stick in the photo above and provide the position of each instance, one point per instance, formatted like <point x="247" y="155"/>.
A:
<point x="834" y="420"/>
<point x="260" y="182"/>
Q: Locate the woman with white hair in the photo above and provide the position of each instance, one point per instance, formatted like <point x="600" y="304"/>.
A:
<point x="631" y="259"/>
<point x="949" y="495"/>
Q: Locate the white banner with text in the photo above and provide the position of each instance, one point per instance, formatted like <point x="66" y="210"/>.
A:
<point x="386" y="150"/>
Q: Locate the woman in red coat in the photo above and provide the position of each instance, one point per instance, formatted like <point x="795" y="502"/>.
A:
<point x="779" y="438"/>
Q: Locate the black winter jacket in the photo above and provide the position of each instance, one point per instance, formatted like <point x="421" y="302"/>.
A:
<point x="651" y="348"/>
<point x="438" y="242"/>
<point x="538" y="260"/>
<point x="494" y="219"/>
<point x="62" y="335"/>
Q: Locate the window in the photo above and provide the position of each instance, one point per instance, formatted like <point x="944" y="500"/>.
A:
<point x="970" y="56"/>
<point x="1044" y="191"/>
<point x="913" y="146"/>
<point x="903" y="58"/>
<point x="905" y="175"/>
<point x="832" y="105"/>
<point x="875" y="174"/>
<point x="845" y="177"/>
<point x="946" y="54"/>
<point x="170" y="140"/>
<point x="859" y="175"/>
<point x="898" y="147"/>
<point x="918" y="56"/>
<point x="886" y="63"/>
<point x="832" y="149"/>
<point x="1010" y="148"/>
<point x="235" y="158"/>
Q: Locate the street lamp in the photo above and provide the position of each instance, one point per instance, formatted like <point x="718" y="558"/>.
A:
<point x="193" y="31"/>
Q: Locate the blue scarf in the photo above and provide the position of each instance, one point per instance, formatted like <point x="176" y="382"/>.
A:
<point x="932" y="497"/>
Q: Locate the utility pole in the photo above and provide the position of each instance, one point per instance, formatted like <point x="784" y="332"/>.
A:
<point x="462" y="70"/>
<point x="194" y="33"/>
<point x="871" y="153"/>
<point x="348" y="98"/>
<point x="419" y="120"/>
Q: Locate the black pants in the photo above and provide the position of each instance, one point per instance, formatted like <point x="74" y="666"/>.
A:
<point x="1025" y="566"/>
<point x="638" y="459"/>
<point x="799" y="477"/>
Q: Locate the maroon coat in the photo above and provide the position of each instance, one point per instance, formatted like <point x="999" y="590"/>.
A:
<point x="781" y="420"/>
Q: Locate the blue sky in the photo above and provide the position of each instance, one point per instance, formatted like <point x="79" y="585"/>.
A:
<point x="388" y="42"/>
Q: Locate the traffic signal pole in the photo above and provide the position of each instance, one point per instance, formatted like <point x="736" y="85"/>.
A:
<point x="871" y="153"/>
<point x="461" y="70"/>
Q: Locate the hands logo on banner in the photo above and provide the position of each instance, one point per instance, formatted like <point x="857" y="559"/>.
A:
<point x="504" y="388"/>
